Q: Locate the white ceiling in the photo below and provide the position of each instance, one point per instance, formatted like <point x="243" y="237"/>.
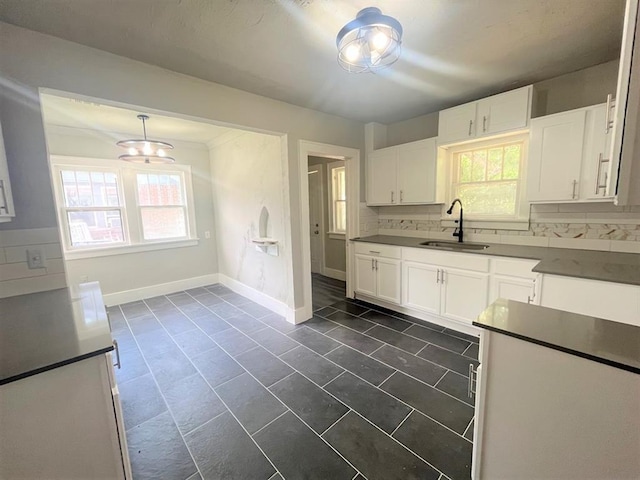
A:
<point x="123" y="123"/>
<point x="453" y="50"/>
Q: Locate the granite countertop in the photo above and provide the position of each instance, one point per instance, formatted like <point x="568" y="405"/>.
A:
<point x="45" y="330"/>
<point x="590" y="264"/>
<point x="612" y="343"/>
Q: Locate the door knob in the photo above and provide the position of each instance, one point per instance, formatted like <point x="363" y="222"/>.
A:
<point x="316" y="232"/>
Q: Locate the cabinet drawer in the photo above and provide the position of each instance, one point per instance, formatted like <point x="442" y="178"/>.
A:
<point x="514" y="267"/>
<point x="378" y="250"/>
<point x="464" y="261"/>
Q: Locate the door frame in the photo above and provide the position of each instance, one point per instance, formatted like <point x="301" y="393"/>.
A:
<point x="320" y="169"/>
<point x="351" y="156"/>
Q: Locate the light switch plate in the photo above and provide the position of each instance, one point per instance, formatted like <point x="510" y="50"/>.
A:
<point x="35" y="258"/>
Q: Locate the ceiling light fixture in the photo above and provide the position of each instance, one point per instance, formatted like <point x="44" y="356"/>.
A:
<point x="145" y="151"/>
<point x="370" y="42"/>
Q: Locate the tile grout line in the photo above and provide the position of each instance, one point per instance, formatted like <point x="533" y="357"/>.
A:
<point x="349" y="409"/>
<point x="392" y="374"/>
<point x="287" y="410"/>
<point x="334" y="378"/>
<point x="403" y="420"/>
<point x="443" y="375"/>
<point x="468" y="426"/>
<point x="275" y="383"/>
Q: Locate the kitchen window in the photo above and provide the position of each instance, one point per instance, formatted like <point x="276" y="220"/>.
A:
<point x="337" y="198"/>
<point x="488" y="177"/>
<point x="106" y="207"/>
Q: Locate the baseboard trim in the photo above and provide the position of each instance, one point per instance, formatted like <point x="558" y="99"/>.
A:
<point x="133" y="295"/>
<point x="259" y="297"/>
<point x="336" y="274"/>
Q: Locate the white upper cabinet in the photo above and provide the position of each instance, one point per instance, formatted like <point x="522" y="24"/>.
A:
<point x="403" y="174"/>
<point x="7" y="211"/>
<point x="555" y="156"/>
<point x="596" y="177"/>
<point x="492" y="115"/>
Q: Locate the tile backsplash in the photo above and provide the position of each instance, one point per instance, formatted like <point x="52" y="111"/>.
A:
<point x="594" y="226"/>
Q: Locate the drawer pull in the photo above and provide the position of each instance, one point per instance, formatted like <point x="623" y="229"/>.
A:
<point x="117" y="350"/>
<point x="472" y="381"/>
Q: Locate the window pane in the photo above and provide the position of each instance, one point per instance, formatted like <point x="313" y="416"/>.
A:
<point x="491" y="199"/>
<point x="465" y="167"/>
<point x="163" y="223"/>
<point x="340" y="216"/>
<point x="479" y="171"/>
<point x="158" y="190"/>
<point x="89" y="189"/>
<point x="512" y="154"/>
<point x="494" y="167"/>
<point x="339" y="184"/>
<point x="95" y="228"/>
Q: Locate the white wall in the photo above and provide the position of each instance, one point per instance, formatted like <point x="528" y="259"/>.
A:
<point x="248" y="173"/>
<point x="119" y="274"/>
<point x="30" y="60"/>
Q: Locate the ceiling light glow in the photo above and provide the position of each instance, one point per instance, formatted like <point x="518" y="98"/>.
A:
<point x="145" y="150"/>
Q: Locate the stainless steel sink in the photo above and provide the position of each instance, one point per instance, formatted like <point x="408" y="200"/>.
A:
<point x="454" y="245"/>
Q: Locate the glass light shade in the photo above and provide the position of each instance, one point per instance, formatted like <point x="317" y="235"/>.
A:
<point x="370" y="42"/>
<point x="145" y="150"/>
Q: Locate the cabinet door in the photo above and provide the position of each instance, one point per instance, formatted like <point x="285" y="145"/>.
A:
<point x="464" y="294"/>
<point x="504" y="112"/>
<point x="457" y="124"/>
<point x="6" y="198"/>
<point x="365" y="275"/>
<point x="555" y="156"/>
<point x="382" y="177"/>
<point x="417" y="172"/>
<point x="420" y="287"/>
<point x="388" y="279"/>
<point x="512" y="288"/>
<point x="595" y="167"/>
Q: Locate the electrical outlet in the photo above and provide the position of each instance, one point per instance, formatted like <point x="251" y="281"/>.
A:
<point x="35" y="258"/>
<point x="207" y="234"/>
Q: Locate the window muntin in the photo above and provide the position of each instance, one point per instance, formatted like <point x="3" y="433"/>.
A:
<point x="337" y="198"/>
<point x="89" y="200"/>
<point x="162" y="205"/>
<point x="488" y="179"/>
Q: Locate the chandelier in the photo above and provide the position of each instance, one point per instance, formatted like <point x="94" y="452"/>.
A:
<point x="145" y="150"/>
<point x="370" y="42"/>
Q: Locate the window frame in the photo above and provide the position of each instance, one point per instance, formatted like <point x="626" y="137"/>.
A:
<point x="519" y="221"/>
<point x="126" y="174"/>
<point x="333" y="231"/>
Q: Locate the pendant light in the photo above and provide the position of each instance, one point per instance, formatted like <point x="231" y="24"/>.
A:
<point x="145" y="150"/>
<point x="370" y="42"/>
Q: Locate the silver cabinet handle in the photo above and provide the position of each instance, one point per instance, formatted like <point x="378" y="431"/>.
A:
<point x="598" y="184"/>
<point x="391" y="196"/>
<point x="117" y="350"/>
<point x="373" y="251"/>
<point x="401" y="196"/>
<point x="5" y="204"/>
<point x="484" y="123"/>
<point x="438" y="276"/>
<point x="376" y="264"/>
<point x="573" y="191"/>
<point x="608" y="123"/>
<point x="373" y="264"/>
<point x="442" y="273"/>
<point x="470" y="390"/>
<point x="470" y="125"/>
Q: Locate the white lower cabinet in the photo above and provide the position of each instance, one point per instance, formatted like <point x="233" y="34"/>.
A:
<point x="452" y="293"/>
<point x="388" y="279"/>
<point x="365" y="275"/>
<point x="513" y="279"/>
<point x="378" y="272"/>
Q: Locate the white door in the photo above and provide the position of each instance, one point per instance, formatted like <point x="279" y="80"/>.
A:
<point x="382" y="177"/>
<point x="464" y="294"/>
<point x="512" y="288"/>
<point x="457" y="123"/>
<point x="316" y="226"/>
<point x="365" y="275"/>
<point x="417" y="172"/>
<point x="501" y="113"/>
<point x="388" y="279"/>
<point x="420" y="287"/>
<point x="555" y="156"/>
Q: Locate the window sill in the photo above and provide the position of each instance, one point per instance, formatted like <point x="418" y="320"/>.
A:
<point x="489" y="224"/>
<point x="336" y="235"/>
<point x="126" y="249"/>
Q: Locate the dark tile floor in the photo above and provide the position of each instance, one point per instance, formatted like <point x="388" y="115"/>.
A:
<point x="215" y="386"/>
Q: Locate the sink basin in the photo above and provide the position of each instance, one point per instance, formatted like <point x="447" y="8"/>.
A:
<point x="454" y="245"/>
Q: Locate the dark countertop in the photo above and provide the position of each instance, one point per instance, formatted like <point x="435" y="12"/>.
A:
<point x="591" y="264"/>
<point x="45" y="330"/>
<point x="612" y="343"/>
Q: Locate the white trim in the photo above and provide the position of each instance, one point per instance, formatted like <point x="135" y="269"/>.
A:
<point x="125" y="249"/>
<point x="352" y="155"/>
<point x="259" y="297"/>
<point x="135" y="294"/>
<point x="330" y="192"/>
<point x="333" y="273"/>
<point x="336" y="235"/>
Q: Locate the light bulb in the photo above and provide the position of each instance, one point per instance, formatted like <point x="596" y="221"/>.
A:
<point x="147" y="150"/>
<point x="133" y="151"/>
<point x="352" y="52"/>
<point x="380" y="41"/>
<point x="161" y="152"/>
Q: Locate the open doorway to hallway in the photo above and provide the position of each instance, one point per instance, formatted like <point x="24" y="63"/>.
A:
<point x="327" y="229"/>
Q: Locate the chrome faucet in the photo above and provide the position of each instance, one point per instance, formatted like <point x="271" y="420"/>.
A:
<point x="458" y="232"/>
